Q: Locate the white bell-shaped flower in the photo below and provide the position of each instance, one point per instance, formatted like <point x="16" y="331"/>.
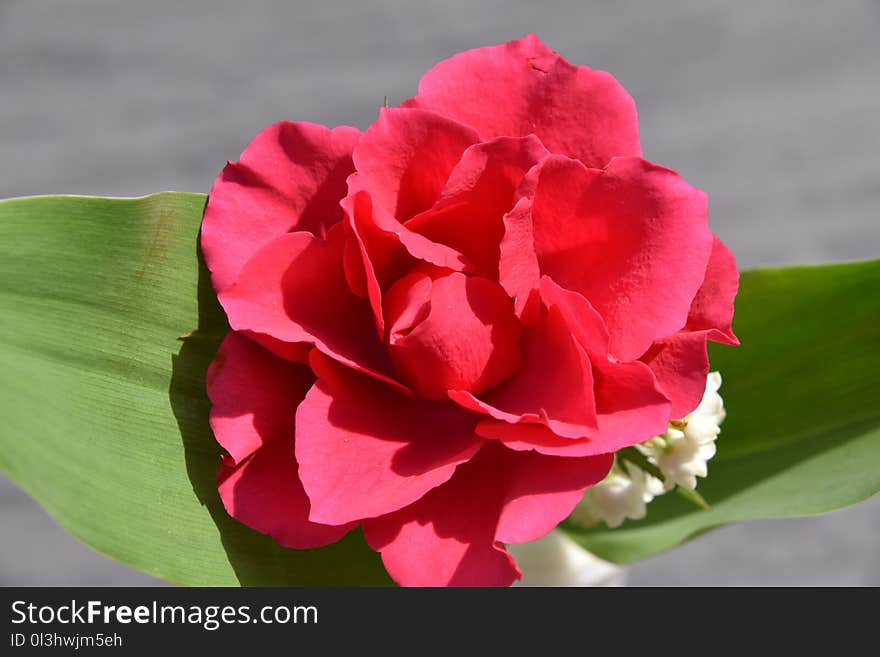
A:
<point x="683" y="452"/>
<point x="622" y="494"/>
<point x="681" y="455"/>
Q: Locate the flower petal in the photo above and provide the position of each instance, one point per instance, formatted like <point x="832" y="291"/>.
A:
<point x="453" y="535"/>
<point x="294" y="290"/>
<point x="454" y="332"/>
<point x="630" y="405"/>
<point x="253" y="395"/>
<point x="630" y="409"/>
<point x="264" y="493"/>
<point x="405" y="158"/>
<point x="524" y="437"/>
<point x="541" y="491"/>
<point x="386" y="249"/>
<point x="633" y="240"/>
<point x="480" y="190"/>
<point x="518" y="269"/>
<point x="712" y="308"/>
<point x="680" y="364"/>
<point x="289" y="178"/>
<point x="554" y="386"/>
<point x="364" y="450"/>
<point x="522" y="87"/>
<point x="447" y="538"/>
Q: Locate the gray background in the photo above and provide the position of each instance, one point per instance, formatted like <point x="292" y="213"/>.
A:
<point x="771" y="107"/>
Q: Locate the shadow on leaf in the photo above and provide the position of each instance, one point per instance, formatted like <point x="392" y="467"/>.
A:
<point x="256" y="558"/>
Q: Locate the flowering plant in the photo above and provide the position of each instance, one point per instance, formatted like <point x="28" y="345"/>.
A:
<point x="480" y="301"/>
<point x="485" y="315"/>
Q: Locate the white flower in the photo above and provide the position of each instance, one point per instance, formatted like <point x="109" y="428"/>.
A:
<point x="622" y="494"/>
<point x="683" y="452"/>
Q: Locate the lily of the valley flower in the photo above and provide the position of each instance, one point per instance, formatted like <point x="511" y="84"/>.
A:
<point x="623" y="494"/>
<point x="683" y="452"/>
<point x="681" y="455"/>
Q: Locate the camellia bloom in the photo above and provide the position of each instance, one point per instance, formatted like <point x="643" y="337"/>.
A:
<point x="444" y="326"/>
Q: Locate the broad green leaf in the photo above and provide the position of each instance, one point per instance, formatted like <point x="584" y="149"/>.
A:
<point x="802" y="434"/>
<point x="104" y="414"/>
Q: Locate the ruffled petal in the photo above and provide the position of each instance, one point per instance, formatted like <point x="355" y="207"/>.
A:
<point x="291" y="177"/>
<point x="453" y="536"/>
<point x="518" y="271"/>
<point x="364" y="450"/>
<point x="452" y="332"/>
<point x="405" y="158"/>
<point x="447" y="538"/>
<point x="712" y="308"/>
<point x="253" y="395"/>
<point x="541" y="491"/>
<point x="294" y="290"/>
<point x="633" y="239"/>
<point x="386" y="249"/>
<point x="554" y="386"/>
<point x="264" y="493"/>
<point x="680" y="364"/>
<point x="630" y="407"/>
<point x="524" y="437"/>
<point x="522" y="87"/>
<point x="480" y="190"/>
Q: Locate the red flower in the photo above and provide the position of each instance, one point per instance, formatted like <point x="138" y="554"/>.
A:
<point x="443" y="327"/>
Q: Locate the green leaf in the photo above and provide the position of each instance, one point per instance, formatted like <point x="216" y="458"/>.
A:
<point x="104" y="414"/>
<point x="639" y="460"/>
<point x="802" y="434"/>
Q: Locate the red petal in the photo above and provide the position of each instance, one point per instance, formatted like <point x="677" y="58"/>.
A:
<point x="633" y="240"/>
<point x="386" y="249"/>
<point x="525" y="437"/>
<point x="630" y="409"/>
<point x="405" y="158"/>
<point x="253" y="395"/>
<point x="541" y="491"/>
<point x="265" y="494"/>
<point x="518" y="270"/>
<point x="447" y="538"/>
<point x="680" y="362"/>
<point x="523" y="87"/>
<point x="453" y="535"/>
<point x="681" y="366"/>
<point x="554" y="387"/>
<point x="630" y="406"/>
<point x="712" y="308"/>
<point x="289" y="178"/>
<point x="480" y="190"/>
<point x="456" y="332"/>
<point x="364" y="450"/>
<point x="294" y="290"/>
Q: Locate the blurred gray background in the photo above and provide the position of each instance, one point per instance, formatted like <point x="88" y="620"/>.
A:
<point x="771" y="107"/>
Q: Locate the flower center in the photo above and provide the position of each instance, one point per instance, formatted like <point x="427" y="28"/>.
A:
<point x="450" y="331"/>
